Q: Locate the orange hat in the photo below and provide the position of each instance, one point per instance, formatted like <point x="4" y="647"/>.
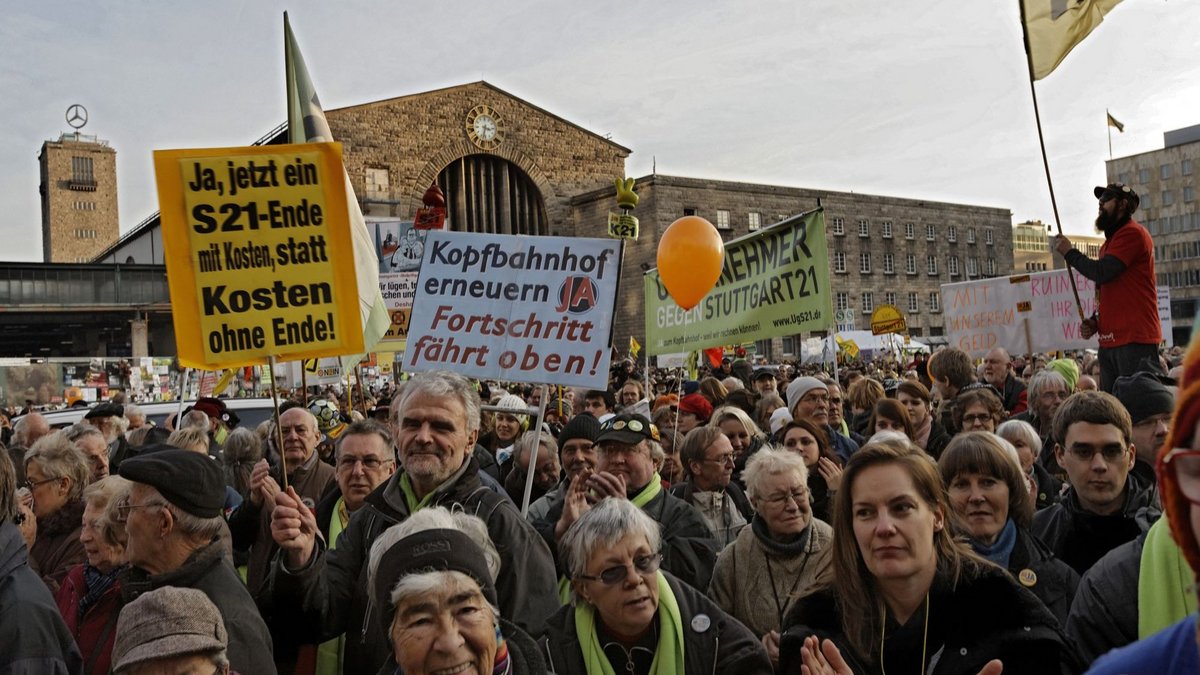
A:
<point x="1183" y="426"/>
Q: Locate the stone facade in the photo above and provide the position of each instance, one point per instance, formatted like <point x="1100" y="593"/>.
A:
<point x="79" y="198"/>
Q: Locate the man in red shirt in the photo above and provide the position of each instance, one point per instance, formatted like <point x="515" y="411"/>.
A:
<point x="1127" y="324"/>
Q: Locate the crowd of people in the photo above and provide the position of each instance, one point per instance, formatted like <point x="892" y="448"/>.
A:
<point x="937" y="516"/>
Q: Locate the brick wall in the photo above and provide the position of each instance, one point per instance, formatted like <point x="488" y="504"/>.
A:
<point x="77" y="224"/>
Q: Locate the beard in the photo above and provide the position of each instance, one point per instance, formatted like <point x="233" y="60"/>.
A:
<point x="1107" y="222"/>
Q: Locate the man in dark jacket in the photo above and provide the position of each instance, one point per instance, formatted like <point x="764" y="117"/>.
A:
<point x="997" y="371"/>
<point x="174" y="518"/>
<point x="808" y="399"/>
<point x="1149" y="403"/>
<point x="1094" y="446"/>
<point x="435" y="421"/>
<point x="32" y="632"/>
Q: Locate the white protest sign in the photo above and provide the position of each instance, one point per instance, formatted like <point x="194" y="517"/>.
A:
<point x="520" y="309"/>
<point x="1164" y="314"/>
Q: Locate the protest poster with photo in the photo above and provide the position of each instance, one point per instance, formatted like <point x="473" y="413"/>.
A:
<point x="400" y="246"/>
<point x="514" y="308"/>
<point x="773" y="282"/>
<point x="258" y="253"/>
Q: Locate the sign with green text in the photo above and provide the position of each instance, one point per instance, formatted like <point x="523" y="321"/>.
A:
<point x="774" y="282"/>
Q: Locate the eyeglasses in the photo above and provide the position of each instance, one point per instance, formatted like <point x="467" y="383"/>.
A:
<point x="781" y="499"/>
<point x="31" y="484"/>
<point x="1185" y="465"/>
<point x="816" y="398"/>
<point x="727" y="458"/>
<point x="645" y="565"/>
<point x="124" y="508"/>
<point x="1086" y="452"/>
<point x="368" y="463"/>
<point x="977" y="418"/>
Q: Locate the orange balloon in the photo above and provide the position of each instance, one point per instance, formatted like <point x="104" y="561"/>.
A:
<point x="690" y="256"/>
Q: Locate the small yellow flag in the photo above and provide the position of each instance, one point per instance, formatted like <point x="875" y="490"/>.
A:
<point x="1112" y="122"/>
<point x="1054" y="27"/>
<point x="634" y="347"/>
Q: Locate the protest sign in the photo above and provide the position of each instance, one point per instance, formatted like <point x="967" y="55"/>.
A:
<point x="773" y="282"/>
<point x="400" y="246"/>
<point x="1164" y="315"/>
<point x="258" y="253"/>
<point x="520" y="309"/>
<point x="1022" y="313"/>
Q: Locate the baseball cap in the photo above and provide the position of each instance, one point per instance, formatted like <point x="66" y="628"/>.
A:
<point x="627" y="428"/>
<point x="1118" y="190"/>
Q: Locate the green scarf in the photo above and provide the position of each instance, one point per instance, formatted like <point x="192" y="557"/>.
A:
<point x="668" y="657"/>
<point x="410" y="497"/>
<point x="649" y="492"/>
<point x="1164" y="582"/>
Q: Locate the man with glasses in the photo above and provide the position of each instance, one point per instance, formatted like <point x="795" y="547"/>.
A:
<point x="174" y="521"/>
<point x="250" y="524"/>
<point x="624" y="470"/>
<point x="1149" y="403"/>
<point x="1106" y="505"/>
<point x="1126" y="324"/>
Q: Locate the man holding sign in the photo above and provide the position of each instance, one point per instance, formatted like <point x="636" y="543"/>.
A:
<point x="1130" y="331"/>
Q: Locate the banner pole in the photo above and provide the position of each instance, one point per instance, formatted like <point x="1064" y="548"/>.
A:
<point x="278" y="430"/>
<point x="183" y="378"/>
<point x="362" y="399"/>
<point x="303" y="384"/>
<point x="534" y="451"/>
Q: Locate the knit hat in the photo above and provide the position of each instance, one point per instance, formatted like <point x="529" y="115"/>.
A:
<point x="691" y="386"/>
<point x="515" y="403"/>
<point x="580" y="426"/>
<point x="1068" y="369"/>
<point x="801" y="386"/>
<point x="167" y="622"/>
<point x="426" y="551"/>
<point x="1183" y="427"/>
<point x="696" y="405"/>
<point x="780" y="419"/>
<point x="1143" y="395"/>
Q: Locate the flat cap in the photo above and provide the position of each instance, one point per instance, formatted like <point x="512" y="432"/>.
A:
<point x="167" y="622"/>
<point x="189" y="480"/>
<point x="105" y="410"/>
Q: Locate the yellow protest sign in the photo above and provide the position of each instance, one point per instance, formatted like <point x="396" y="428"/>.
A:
<point x="258" y="252"/>
<point x="887" y="319"/>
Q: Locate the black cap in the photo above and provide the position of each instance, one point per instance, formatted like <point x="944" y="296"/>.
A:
<point x="762" y="374"/>
<point x="627" y="428"/>
<point x="105" y="410"/>
<point x="189" y="480"/>
<point x="1143" y="395"/>
<point x="1120" y="191"/>
<point x="580" y="426"/>
<point x="442" y="550"/>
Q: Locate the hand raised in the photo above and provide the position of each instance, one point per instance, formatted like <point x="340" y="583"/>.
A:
<point x="294" y="528"/>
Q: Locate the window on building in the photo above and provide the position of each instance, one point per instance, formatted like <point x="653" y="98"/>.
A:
<point x="868" y="302"/>
<point x="378" y="184"/>
<point x="1143" y="176"/>
<point x="889" y="298"/>
<point x="1123" y="177"/>
<point x="931" y="265"/>
<point x="754" y="220"/>
<point x="887" y="229"/>
<point x="935" y="302"/>
<point x="929" y="233"/>
<point x="864" y="263"/>
<point x="952" y="265"/>
<point x="722" y="219"/>
<point x="910" y="231"/>
<point x="789" y="345"/>
<point x="1185" y="167"/>
<point x="1164" y="171"/>
<point x="952" y="234"/>
<point x="910" y="264"/>
<point x="914" y="305"/>
<point x="839" y="262"/>
<point x="1146" y="202"/>
<point x="689" y="211"/>
<point x="889" y="263"/>
<point x="1167" y="198"/>
<point x="970" y="235"/>
<point x="972" y="266"/>
<point x="82" y="177"/>
<point x="991" y="267"/>
<point x="987" y="237"/>
<point x="843" y="300"/>
<point x="864" y="228"/>
<point x="839" y="226"/>
<point x="1189" y="193"/>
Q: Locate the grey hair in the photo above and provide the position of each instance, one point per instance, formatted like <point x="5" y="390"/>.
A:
<point x="437" y="384"/>
<point x="525" y="442"/>
<point x="888" y="435"/>
<point x="1043" y="378"/>
<point x="196" y="419"/>
<point x="189" y="438"/>
<point x="120" y="425"/>
<point x="657" y="454"/>
<point x="434" y="518"/>
<point x="1020" y="430"/>
<point x="132" y="411"/>
<point x="59" y="458"/>
<point x="104" y="494"/>
<point x="369" y="427"/>
<point x="603" y="527"/>
<point x="195" y="527"/>
<point x="771" y="461"/>
<point x="732" y="383"/>
<point x="81" y="429"/>
<point x="421" y="583"/>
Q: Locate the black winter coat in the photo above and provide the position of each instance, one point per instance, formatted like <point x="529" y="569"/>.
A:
<point x="1080" y="538"/>
<point x="1053" y="581"/>
<point x="33" y="636"/>
<point x="713" y="641"/>
<point x="987" y="616"/>
<point x="329" y="596"/>
<point x="1104" y="614"/>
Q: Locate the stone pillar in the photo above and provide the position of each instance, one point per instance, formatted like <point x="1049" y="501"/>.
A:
<point x="138" y="338"/>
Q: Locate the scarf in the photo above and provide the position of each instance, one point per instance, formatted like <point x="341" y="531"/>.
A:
<point x="1000" y="551"/>
<point x="97" y="584"/>
<point x="789" y="548"/>
<point x="410" y="497"/>
<point x="922" y="431"/>
<point x="668" y="658"/>
<point x="1164" y="582"/>
<point x="648" y="493"/>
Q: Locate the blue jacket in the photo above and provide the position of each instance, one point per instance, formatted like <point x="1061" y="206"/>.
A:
<point x="1169" y="651"/>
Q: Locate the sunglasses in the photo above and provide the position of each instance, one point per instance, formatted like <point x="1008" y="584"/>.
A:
<point x="644" y="565"/>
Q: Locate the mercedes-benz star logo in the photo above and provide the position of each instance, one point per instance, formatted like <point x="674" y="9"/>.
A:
<point x="77" y="116"/>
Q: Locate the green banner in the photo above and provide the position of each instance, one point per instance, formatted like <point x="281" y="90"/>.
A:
<point x="774" y="282"/>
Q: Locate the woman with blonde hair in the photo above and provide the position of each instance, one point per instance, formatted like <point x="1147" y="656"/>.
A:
<point x="744" y="436"/>
<point x="907" y="597"/>
<point x="56" y="473"/>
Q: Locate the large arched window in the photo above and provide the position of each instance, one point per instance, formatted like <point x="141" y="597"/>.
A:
<point x="485" y="193"/>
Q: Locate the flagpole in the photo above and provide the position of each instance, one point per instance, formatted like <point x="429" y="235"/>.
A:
<point x="1037" y="116"/>
<point x="1108" y="125"/>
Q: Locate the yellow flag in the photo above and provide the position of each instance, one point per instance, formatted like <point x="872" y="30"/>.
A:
<point x="1054" y="27"/>
<point x="1112" y="122"/>
<point x="634" y="347"/>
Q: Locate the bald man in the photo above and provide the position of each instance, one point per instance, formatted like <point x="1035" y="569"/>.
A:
<point x="998" y="372"/>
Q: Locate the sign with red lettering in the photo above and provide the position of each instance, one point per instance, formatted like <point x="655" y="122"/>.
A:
<point x="520" y="309"/>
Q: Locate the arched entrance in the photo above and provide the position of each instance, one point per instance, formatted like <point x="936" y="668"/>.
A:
<point x="490" y="194"/>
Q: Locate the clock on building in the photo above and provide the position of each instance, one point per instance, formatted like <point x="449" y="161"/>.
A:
<point x="484" y="127"/>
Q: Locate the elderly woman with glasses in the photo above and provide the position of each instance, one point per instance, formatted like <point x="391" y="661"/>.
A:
<point x="989" y="494"/>
<point x="56" y="472"/>
<point x="628" y="616"/>
<point x="90" y="596"/>
<point x="782" y="557"/>
<point x="432" y="581"/>
<point x="977" y="410"/>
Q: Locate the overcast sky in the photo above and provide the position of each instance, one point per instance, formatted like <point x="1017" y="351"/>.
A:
<point x="924" y="99"/>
